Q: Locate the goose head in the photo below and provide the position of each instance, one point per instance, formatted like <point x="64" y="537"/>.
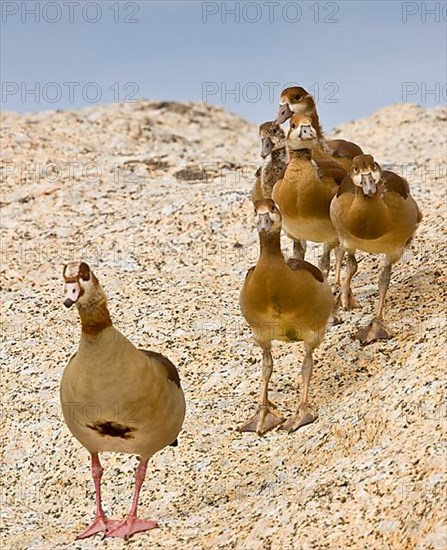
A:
<point x="366" y="174"/>
<point x="272" y="138"/>
<point x="267" y="216"/>
<point x="294" y="100"/>
<point x="79" y="283"/>
<point x="301" y="134"/>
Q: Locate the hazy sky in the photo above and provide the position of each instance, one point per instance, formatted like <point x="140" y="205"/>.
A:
<point x="356" y="56"/>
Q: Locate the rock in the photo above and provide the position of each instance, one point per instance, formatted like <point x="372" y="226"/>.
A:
<point x="369" y="473"/>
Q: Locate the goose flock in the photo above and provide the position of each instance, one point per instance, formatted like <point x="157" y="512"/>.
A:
<point x="313" y="189"/>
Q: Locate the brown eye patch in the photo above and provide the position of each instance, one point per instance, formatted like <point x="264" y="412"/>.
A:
<point x="84" y="271"/>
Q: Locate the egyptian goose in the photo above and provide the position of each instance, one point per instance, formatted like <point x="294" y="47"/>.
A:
<point x="273" y="150"/>
<point x="305" y="192"/>
<point x="116" y="397"/>
<point x="297" y="100"/>
<point x="373" y="211"/>
<point x="286" y="301"/>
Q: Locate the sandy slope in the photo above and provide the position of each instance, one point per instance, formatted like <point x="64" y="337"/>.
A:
<point x="154" y="196"/>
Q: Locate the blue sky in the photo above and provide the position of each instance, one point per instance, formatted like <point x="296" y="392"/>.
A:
<point x="356" y="56"/>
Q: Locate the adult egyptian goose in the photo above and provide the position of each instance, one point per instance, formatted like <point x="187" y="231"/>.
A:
<point x="273" y="150"/>
<point x="373" y="211"/>
<point x="305" y="192"/>
<point x="116" y="397"/>
<point x="296" y="100"/>
<point x="286" y="301"/>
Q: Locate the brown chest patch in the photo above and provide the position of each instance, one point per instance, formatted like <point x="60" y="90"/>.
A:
<point x="291" y="334"/>
<point x="112" y="429"/>
<point x="367" y="229"/>
<point x="276" y="302"/>
<point x="369" y="219"/>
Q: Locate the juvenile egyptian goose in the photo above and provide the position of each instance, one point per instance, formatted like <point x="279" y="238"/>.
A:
<point x="116" y="397"/>
<point x="373" y="211"/>
<point x="305" y="192"/>
<point x="287" y="301"/>
<point x="296" y="100"/>
<point x="273" y="150"/>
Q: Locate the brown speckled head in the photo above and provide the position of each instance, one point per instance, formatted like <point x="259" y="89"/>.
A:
<point x="272" y="137"/>
<point x="366" y="174"/>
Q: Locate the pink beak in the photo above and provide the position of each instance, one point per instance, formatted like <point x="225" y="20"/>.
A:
<point x="72" y="291"/>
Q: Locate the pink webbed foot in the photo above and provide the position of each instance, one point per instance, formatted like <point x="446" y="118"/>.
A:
<point x="301" y="418"/>
<point x="265" y="419"/>
<point x="131" y="525"/>
<point x="100" y="524"/>
<point x="376" y="330"/>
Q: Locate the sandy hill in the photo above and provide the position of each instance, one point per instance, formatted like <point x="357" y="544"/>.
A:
<point x="155" y="196"/>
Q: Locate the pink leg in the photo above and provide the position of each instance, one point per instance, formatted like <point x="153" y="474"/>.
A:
<point x="132" y="524"/>
<point x="100" y="524"/>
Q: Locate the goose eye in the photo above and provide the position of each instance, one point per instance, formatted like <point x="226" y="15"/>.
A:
<point x="293" y="126"/>
<point x="297" y="97"/>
